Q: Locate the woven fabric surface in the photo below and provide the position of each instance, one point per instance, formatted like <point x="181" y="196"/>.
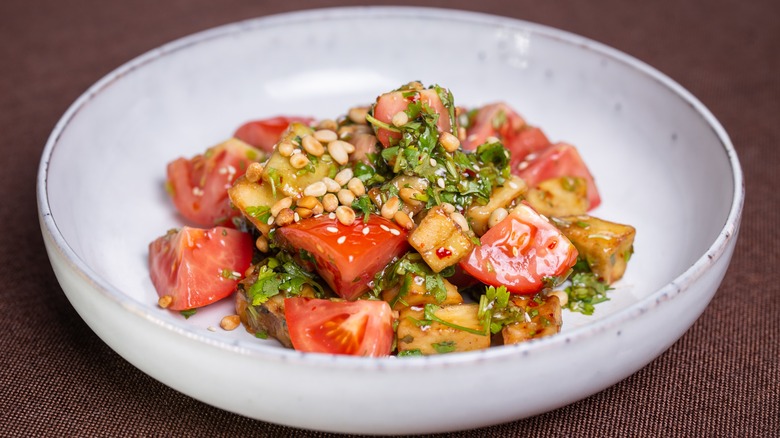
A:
<point x="722" y="378"/>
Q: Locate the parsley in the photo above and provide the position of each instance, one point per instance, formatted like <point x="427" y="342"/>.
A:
<point x="261" y="334"/>
<point x="280" y="274"/>
<point x="444" y="347"/>
<point x="187" y="313"/>
<point x="262" y="212"/>
<point x="585" y="291"/>
<point x="410" y="353"/>
<point x="430" y="316"/>
<point x="402" y="272"/>
<point x="364" y="205"/>
<point x="491" y="302"/>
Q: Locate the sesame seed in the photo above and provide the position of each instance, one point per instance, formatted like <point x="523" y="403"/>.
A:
<point x="331" y="215"/>
<point x="296" y="217"/>
<point x="433" y="162"/>
<point x="212" y="329"/>
<point x="332" y="229"/>
<point x="395" y="232"/>
<point x="197" y="191"/>
<point x="351" y="258"/>
<point x="512" y="185"/>
<point x="270" y="220"/>
<point x="384" y="227"/>
<point x="440" y="182"/>
<point x="341" y="240"/>
<point x="365" y="231"/>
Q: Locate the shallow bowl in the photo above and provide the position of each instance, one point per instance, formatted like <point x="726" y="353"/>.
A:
<point x="661" y="160"/>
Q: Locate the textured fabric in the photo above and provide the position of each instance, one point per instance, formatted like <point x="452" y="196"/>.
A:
<point x="57" y="378"/>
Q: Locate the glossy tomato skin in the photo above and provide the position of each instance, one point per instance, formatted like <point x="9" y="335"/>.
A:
<point x="558" y="160"/>
<point x="345" y="257"/>
<point x="528" y="141"/>
<point x="358" y="328"/>
<point x="199" y="185"/>
<point x="493" y="120"/>
<point x="197" y="267"/>
<point x="265" y="133"/>
<point x="520" y="252"/>
<point x="389" y="104"/>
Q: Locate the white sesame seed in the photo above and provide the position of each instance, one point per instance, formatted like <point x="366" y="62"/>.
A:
<point x="395" y="232"/>
<point x="270" y="220"/>
<point x="351" y="258"/>
<point x="522" y="165"/>
<point x="296" y="217"/>
<point x="433" y="162"/>
<point x="331" y="215"/>
<point x="332" y="229"/>
<point x="384" y="227"/>
<point x="513" y="185"/>
<point x="365" y="231"/>
<point x="211" y="329"/>
<point x="197" y="191"/>
<point x="341" y="240"/>
<point x="440" y="182"/>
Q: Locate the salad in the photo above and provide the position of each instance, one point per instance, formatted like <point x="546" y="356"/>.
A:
<point x="408" y="227"/>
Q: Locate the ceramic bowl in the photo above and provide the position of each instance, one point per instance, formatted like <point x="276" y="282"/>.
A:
<point x="661" y="160"/>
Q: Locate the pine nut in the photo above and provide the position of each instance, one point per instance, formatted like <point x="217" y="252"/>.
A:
<point x="326" y="135"/>
<point x="316" y="189"/>
<point x="449" y="142"/>
<point x="408" y="195"/>
<point x="357" y="187"/>
<point x="345" y="215"/>
<point x="299" y="161"/>
<point x="331" y="185"/>
<point x="307" y="202"/>
<point x="358" y="115"/>
<point x="339" y="153"/>
<point x="318" y="209"/>
<point x="330" y="202"/>
<point x="254" y="172"/>
<point x="312" y="145"/>
<point x="497" y="216"/>
<point x="390" y="207"/>
<point x="230" y="322"/>
<point x="403" y="220"/>
<point x="400" y="119"/>
<point x="285" y="149"/>
<point x="165" y="301"/>
<point x="343" y="177"/>
<point x="328" y="124"/>
<point x="261" y="244"/>
<point x="460" y="220"/>
<point x="281" y="205"/>
<point x="285" y="217"/>
<point x="448" y="208"/>
<point x="303" y="212"/>
<point x="346" y="197"/>
<point x="349" y="147"/>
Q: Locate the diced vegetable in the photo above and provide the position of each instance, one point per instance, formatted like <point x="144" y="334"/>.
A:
<point x="606" y="246"/>
<point x="493" y="120"/>
<point x="543" y="319"/>
<point x="440" y="240"/>
<point x="358" y="328"/>
<point x="437" y="330"/>
<point x="413" y="291"/>
<point x="389" y="104"/>
<point x="563" y="196"/>
<point x="199" y="185"/>
<point x="524" y="252"/>
<point x="253" y="200"/>
<point x="558" y="160"/>
<point x="197" y="267"/>
<point x="478" y="215"/>
<point x="345" y="256"/>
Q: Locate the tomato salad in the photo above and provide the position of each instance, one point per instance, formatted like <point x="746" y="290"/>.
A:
<point x="407" y="227"/>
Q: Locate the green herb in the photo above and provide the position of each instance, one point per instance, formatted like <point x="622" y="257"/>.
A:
<point x="410" y="353"/>
<point x="187" y="313"/>
<point x="444" y="347"/>
<point x="402" y="272"/>
<point x="430" y="316"/>
<point x="280" y="274"/>
<point x="491" y="303"/>
<point x="586" y="291"/>
<point x="262" y="212"/>
<point x="261" y="334"/>
<point x="364" y="205"/>
<point x="230" y="274"/>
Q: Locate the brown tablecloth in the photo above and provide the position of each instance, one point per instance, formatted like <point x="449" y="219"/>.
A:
<point x="722" y="378"/>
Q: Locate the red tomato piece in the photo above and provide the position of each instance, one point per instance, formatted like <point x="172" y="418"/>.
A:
<point x="389" y="104"/>
<point x="346" y="257"/>
<point x="199" y="185"/>
<point x="529" y="140"/>
<point x="497" y="120"/>
<point x="520" y="252"/>
<point x="556" y="161"/>
<point x="198" y="267"/>
<point x="264" y="134"/>
<point x="358" y="328"/>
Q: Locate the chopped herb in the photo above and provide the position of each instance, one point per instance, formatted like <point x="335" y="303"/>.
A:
<point x="261" y="212"/>
<point x="187" y="313"/>
<point x="262" y="334"/>
<point x="410" y="353"/>
<point x="364" y="205"/>
<point x="585" y="291"/>
<point x="444" y="347"/>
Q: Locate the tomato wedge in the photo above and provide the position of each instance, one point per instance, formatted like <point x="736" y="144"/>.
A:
<point x="346" y="256"/>
<point x="389" y="104"/>
<point x="520" y="252"/>
<point x="496" y="120"/>
<point x="199" y="185"/>
<point x="528" y="141"/>
<point x="357" y="328"/>
<point x="198" y="267"/>
<point x="265" y="133"/>
<point x="558" y="160"/>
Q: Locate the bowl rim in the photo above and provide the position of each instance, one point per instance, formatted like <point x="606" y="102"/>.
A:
<point x="274" y="353"/>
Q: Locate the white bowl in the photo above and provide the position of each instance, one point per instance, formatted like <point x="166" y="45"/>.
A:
<point x="662" y="162"/>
